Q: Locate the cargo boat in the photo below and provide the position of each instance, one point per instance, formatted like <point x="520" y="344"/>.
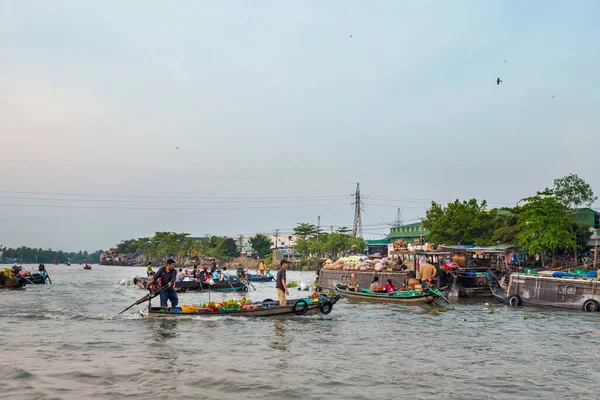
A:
<point x="574" y="293"/>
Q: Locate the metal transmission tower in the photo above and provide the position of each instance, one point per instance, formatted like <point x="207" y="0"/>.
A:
<point x="357" y="230"/>
<point x="398" y="221"/>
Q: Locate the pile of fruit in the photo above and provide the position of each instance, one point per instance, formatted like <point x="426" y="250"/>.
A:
<point x="357" y="263"/>
<point x="315" y="295"/>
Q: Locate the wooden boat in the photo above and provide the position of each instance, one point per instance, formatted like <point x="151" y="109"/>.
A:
<point x="408" y="296"/>
<point x="195" y="286"/>
<point x="258" y="278"/>
<point x="87" y="266"/>
<point x="13" y="284"/>
<point x="266" y="308"/>
<point x="575" y="293"/>
<point x="36" y="279"/>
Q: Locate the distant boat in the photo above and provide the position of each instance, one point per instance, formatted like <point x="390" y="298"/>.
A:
<point x="87" y="266"/>
<point x="68" y="264"/>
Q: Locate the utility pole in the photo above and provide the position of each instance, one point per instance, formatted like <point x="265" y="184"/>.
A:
<point x="357" y="230"/>
<point x="421" y="233"/>
<point x="596" y="249"/>
<point x="331" y="228"/>
<point x="276" y="237"/>
<point x="398" y="221"/>
<point x="318" y="227"/>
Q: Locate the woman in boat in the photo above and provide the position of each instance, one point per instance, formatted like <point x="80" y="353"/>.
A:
<point x="149" y="269"/>
<point x="374" y="284"/>
<point x="389" y="286"/>
<point x="353" y="283"/>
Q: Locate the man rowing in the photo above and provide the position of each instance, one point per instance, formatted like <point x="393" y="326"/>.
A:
<point x="165" y="277"/>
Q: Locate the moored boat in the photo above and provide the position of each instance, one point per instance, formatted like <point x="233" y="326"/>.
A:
<point x="558" y="290"/>
<point x="323" y="304"/>
<point x="406" y="296"/>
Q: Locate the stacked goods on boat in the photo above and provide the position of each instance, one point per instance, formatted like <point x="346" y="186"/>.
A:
<point x="357" y="263"/>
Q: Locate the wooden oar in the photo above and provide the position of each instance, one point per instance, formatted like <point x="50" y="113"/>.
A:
<point x="147" y="297"/>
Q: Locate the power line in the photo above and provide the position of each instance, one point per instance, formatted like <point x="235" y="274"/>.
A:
<point x="174" y="197"/>
<point x="167" y="208"/>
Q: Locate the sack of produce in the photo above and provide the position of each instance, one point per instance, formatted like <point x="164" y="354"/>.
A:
<point x="378" y="267"/>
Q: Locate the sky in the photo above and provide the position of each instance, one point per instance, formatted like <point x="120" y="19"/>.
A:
<point x="120" y="119"/>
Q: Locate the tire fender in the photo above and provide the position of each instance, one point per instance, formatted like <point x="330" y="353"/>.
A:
<point x="300" y="311"/>
<point x="326" y="307"/>
<point x="591" y="305"/>
<point x="514" y="301"/>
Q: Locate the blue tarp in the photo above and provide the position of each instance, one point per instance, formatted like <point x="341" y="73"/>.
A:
<point x="590" y="274"/>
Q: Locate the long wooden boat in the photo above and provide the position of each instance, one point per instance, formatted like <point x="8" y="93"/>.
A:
<point x="258" y="278"/>
<point x="195" y="286"/>
<point x="266" y="308"/>
<point x="574" y="293"/>
<point x="407" y="297"/>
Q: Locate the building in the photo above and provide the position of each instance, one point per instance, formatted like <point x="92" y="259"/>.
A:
<point x="378" y="246"/>
<point x="589" y="217"/>
<point x="413" y="234"/>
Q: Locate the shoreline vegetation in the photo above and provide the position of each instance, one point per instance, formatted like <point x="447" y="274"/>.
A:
<point x="549" y="226"/>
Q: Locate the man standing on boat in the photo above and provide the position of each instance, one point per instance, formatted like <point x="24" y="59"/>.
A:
<point x="166" y="277"/>
<point x="281" y="284"/>
<point x="428" y="272"/>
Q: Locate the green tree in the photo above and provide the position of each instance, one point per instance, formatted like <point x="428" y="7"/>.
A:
<point x="261" y="244"/>
<point x="466" y="222"/>
<point x="305" y="230"/>
<point x="574" y="192"/>
<point x="543" y="224"/>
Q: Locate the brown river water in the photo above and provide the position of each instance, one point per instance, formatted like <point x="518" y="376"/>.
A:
<point x="63" y="341"/>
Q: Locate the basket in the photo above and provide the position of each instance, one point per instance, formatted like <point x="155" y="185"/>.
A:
<point x="192" y="308"/>
<point x="227" y="309"/>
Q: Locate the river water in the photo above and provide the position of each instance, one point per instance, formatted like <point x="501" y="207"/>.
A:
<point x="63" y="341"/>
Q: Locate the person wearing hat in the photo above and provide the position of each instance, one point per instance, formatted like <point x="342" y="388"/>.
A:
<point x="149" y="269"/>
<point x="166" y="277"/>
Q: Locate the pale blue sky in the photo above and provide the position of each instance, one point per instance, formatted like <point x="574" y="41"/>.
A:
<point x="275" y="102"/>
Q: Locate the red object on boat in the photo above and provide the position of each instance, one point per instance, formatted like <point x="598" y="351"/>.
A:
<point x="450" y="265"/>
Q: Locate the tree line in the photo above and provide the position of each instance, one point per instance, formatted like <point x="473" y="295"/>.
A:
<point x="546" y="223"/>
<point x="28" y="255"/>
<point x="313" y="241"/>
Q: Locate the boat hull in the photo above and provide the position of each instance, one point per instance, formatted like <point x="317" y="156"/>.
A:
<point x="543" y="291"/>
<point x="271" y="311"/>
<point x="428" y="297"/>
<point x="257" y="278"/>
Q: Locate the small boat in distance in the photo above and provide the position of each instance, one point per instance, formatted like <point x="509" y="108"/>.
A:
<point x="406" y="296"/>
<point x="87" y="266"/>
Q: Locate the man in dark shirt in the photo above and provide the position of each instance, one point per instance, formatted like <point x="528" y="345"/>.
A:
<point x="166" y="277"/>
<point x="281" y="283"/>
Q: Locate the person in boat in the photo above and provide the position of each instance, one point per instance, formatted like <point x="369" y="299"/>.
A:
<point x="181" y="274"/>
<point x="281" y="283"/>
<point x="428" y="272"/>
<point x="42" y="271"/>
<point x="261" y="268"/>
<point x="195" y="272"/>
<point x="166" y="277"/>
<point x="149" y="269"/>
<point x="203" y="275"/>
<point x="374" y="284"/>
<point x="353" y="283"/>
<point x="225" y="274"/>
<point x="214" y="274"/>
<point x="389" y="286"/>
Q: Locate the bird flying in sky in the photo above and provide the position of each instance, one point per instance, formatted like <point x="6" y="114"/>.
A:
<point x="498" y="81"/>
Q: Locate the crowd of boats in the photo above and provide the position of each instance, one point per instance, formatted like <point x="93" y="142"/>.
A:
<point x="479" y="274"/>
